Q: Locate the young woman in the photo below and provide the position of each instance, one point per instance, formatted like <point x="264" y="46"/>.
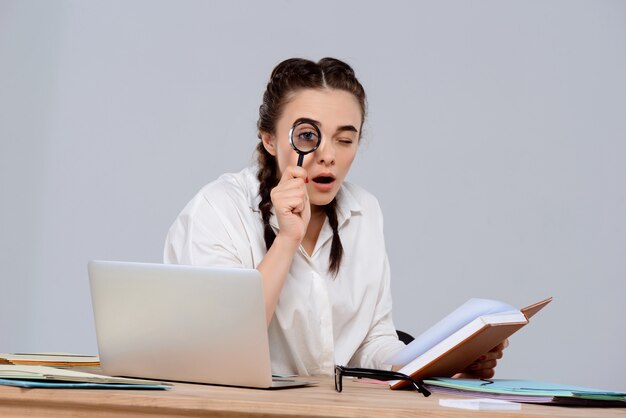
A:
<point x="316" y="240"/>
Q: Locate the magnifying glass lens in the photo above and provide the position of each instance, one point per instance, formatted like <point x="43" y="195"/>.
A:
<point x="305" y="137"/>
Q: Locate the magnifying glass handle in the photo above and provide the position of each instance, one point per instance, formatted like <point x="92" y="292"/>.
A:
<point x="300" y="158"/>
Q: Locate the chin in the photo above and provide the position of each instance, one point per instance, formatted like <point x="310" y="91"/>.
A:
<point x="322" y="200"/>
<point x="320" y="197"/>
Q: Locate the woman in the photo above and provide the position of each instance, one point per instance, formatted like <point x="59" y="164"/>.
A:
<point x="316" y="240"/>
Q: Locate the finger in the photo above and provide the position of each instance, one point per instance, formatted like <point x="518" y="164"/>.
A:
<point x="295" y="205"/>
<point x="485" y="374"/>
<point x="492" y="355"/>
<point x="289" y="187"/>
<point x="293" y="200"/>
<point x="498" y="347"/>
<point x="476" y="374"/>
<point x="504" y="344"/>
<point x="483" y="365"/>
<point x="293" y="172"/>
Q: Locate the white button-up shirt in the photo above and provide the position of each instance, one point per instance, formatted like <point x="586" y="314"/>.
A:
<point x="320" y="320"/>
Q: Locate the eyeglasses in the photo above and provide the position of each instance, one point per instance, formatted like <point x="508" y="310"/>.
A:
<point x="386" y="375"/>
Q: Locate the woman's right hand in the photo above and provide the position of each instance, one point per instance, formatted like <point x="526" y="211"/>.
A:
<point x="291" y="204"/>
<point x="293" y="212"/>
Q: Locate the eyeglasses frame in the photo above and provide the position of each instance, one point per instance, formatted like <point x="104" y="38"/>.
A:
<point x="385" y="375"/>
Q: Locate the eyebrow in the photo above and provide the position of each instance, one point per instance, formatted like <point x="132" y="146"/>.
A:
<point x="347" y="128"/>
<point x="342" y="128"/>
<point x="308" y="120"/>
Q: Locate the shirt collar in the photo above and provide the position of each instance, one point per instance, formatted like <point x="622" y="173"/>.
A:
<point x="347" y="204"/>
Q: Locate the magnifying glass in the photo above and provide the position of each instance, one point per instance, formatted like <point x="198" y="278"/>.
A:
<point x="304" y="137"/>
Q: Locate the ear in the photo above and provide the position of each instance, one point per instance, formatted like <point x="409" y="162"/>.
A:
<point x="269" y="142"/>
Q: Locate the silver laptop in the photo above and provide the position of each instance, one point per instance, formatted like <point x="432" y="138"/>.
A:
<point x="182" y="323"/>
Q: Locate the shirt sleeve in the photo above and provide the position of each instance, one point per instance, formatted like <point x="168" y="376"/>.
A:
<point x="203" y="233"/>
<point x="382" y="340"/>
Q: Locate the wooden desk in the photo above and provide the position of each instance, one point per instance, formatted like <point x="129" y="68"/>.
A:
<point x="187" y="400"/>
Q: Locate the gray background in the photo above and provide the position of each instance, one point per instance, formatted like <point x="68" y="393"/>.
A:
<point x="495" y="143"/>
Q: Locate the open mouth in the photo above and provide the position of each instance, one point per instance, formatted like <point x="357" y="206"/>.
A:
<point x="324" y="179"/>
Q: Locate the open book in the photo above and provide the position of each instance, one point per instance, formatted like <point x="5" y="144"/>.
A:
<point x="460" y="338"/>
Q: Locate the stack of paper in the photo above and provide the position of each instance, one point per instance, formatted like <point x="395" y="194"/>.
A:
<point x="50" y="359"/>
<point x="526" y="391"/>
<point x="52" y="377"/>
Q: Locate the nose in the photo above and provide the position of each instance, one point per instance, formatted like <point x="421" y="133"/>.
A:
<point x="325" y="154"/>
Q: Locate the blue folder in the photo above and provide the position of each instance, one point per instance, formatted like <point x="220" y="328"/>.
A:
<point x="530" y="391"/>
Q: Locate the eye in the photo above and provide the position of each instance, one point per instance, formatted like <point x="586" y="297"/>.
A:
<point x="307" y="136"/>
<point x="345" y="141"/>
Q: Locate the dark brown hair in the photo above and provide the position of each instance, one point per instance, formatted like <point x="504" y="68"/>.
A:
<point x="291" y="76"/>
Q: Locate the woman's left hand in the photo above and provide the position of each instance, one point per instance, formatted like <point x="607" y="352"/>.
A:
<point x="484" y="367"/>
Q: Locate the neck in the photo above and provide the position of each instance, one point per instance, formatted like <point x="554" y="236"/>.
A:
<point x="318" y="216"/>
<point x="317" y="210"/>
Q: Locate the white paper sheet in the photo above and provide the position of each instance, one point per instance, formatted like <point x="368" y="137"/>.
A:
<point x="481" y="404"/>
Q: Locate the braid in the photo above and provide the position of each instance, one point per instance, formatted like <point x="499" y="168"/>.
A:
<point x="336" y="249"/>
<point x="267" y="181"/>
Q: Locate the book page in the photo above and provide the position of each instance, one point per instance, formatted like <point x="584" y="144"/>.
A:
<point x="453" y="322"/>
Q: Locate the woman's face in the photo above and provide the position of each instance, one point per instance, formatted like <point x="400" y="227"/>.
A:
<point x="338" y="116"/>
